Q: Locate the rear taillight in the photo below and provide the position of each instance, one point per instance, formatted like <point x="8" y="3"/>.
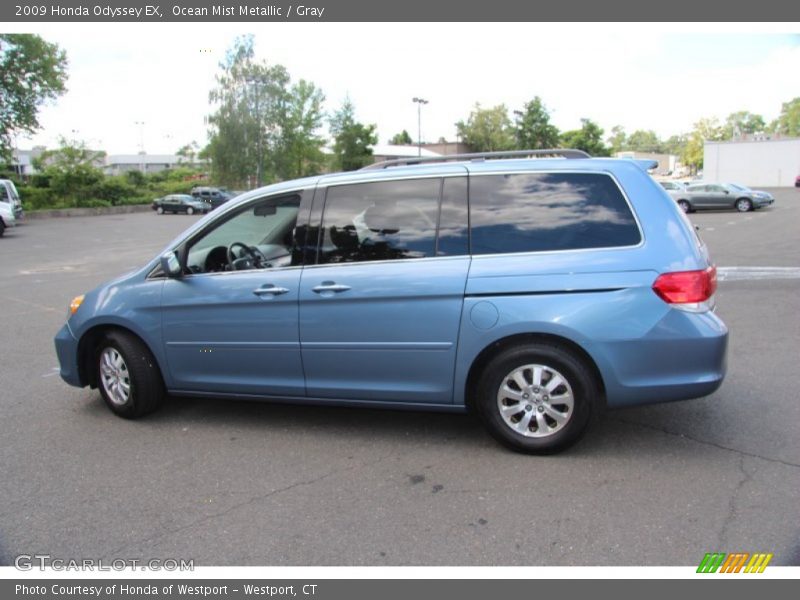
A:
<point x="688" y="290"/>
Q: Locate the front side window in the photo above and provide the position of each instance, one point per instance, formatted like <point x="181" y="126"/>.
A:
<point x="260" y="236"/>
<point x="540" y="212"/>
<point x="380" y="221"/>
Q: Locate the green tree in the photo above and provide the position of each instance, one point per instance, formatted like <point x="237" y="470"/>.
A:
<point x="618" y="140"/>
<point x="72" y="171"/>
<point x="264" y="127"/>
<point x="676" y="144"/>
<point x="298" y="152"/>
<point x="588" y="138"/>
<point x="705" y="130"/>
<point x="188" y="152"/>
<point x="533" y="129"/>
<point x="401" y="139"/>
<point x="788" y="123"/>
<point x="487" y="130"/>
<point x="352" y="141"/>
<point x="644" y="141"/>
<point x="742" y="123"/>
<point x="32" y="71"/>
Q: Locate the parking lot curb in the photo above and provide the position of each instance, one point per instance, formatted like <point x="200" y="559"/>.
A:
<point x="87" y="212"/>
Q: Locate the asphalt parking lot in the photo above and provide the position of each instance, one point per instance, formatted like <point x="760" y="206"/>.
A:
<point x="237" y="483"/>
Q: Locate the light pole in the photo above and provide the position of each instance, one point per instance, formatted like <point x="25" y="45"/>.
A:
<point x="256" y="84"/>
<point x="419" y="102"/>
<point x="141" y="145"/>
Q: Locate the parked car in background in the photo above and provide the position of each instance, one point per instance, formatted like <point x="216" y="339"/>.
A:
<point x="797" y="181"/>
<point x="216" y="197"/>
<point x="704" y="195"/>
<point x="7" y="217"/>
<point x="534" y="291"/>
<point x="673" y="186"/>
<point x="175" y="203"/>
<point x="10" y="196"/>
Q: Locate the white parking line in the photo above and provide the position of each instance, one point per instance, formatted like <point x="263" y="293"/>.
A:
<point x="753" y="273"/>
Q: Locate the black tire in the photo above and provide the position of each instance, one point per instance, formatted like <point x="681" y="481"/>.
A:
<point x="744" y="205"/>
<point x="579" y="384"/>
<point x="685" y="206"/>
<point x="138" y="370"/>
<point x="2" y="227"/>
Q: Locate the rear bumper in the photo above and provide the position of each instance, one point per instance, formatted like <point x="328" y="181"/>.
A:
<point x="683" y="357"/>
<point x="67" y="352"/>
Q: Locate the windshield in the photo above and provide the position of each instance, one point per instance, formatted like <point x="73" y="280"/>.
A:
<point x="741" y="188"/>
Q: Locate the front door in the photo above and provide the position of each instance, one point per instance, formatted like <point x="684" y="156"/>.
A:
<point x="230" y="324"/>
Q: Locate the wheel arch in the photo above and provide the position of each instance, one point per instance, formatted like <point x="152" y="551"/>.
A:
<point x="522" y="339"/>
<point x="87" y="345"/>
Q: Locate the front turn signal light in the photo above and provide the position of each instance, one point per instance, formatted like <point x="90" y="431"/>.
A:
<point x="75" y="304"/>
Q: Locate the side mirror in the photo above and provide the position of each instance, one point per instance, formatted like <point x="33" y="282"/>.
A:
<point x="171" y="265"/>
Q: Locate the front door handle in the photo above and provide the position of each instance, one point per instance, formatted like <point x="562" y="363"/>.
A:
<point x="269" y="289"/>
<point x="330" y="287"/>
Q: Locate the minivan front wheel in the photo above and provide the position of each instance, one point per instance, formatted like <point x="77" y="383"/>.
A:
<point x="537" y="399"/>
<point x="127" y="376"/>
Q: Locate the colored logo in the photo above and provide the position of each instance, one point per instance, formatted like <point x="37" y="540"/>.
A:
<point x="734" y="563"/>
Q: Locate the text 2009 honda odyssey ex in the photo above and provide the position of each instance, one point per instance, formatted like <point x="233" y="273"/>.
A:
<point x="535" y="291"/>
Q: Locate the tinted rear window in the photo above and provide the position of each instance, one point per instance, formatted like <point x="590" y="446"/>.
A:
<point x="532" y="212"/>
<point x="387" y="220"/>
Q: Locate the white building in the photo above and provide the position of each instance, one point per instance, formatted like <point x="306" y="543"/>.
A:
<point x="756" y="163"/>
<point x="117" y="164"/>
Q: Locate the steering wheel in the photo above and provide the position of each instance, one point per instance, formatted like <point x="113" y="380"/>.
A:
<point x="250" y="258"/>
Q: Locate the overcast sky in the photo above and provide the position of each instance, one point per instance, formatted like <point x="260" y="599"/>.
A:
<point x="640" y="76"/>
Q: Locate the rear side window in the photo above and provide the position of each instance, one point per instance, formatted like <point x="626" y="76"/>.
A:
<point x="380" y="221"/>
<point x="540" y="212"/>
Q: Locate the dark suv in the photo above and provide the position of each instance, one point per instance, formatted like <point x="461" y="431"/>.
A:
<point x="214" y="196"/>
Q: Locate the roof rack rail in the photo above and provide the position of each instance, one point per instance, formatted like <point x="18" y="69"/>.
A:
<point x="476" y="156"/>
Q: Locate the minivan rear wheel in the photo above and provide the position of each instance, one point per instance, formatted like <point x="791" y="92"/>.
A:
<point x="128" y="377"/>
<point x="538" y="398"/>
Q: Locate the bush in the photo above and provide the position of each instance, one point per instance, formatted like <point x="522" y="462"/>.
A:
<point x="34" y="198"/>
<point x="114" y="190"/>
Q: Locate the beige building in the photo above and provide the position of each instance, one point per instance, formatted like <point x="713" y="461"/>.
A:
<point x="667" y="163"/>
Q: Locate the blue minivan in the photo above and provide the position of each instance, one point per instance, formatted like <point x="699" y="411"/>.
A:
<point x="535" y="289"/>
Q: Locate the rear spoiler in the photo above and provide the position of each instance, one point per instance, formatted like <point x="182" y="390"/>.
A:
<point x="645" y="164"/>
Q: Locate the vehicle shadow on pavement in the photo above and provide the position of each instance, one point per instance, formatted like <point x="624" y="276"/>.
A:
<point x="639" y="431"/>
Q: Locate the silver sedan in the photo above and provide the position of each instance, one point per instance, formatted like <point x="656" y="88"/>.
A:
<point x="704" y="195"/>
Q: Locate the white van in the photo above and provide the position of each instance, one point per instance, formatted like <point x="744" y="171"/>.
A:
<point x="7" y="218"/>
<point x="9" y="195"/>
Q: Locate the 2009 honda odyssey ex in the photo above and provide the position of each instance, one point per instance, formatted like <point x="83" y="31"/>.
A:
<point x="535" y="291"/>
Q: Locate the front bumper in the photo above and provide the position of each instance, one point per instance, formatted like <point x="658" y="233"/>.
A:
<point x="67" y="353"/>
<point x="762" y="202"/>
